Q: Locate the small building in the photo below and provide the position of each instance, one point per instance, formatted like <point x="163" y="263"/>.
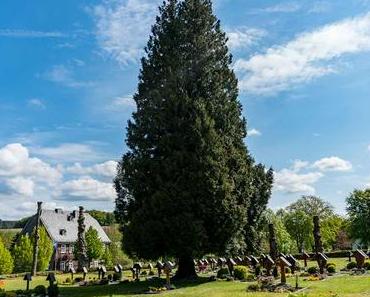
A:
<point x="62" y="228"/>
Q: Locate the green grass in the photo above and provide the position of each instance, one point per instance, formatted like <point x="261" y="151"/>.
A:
<point x="340" y="285"/>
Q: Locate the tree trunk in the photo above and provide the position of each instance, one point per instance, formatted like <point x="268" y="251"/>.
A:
<point x="186" y="268"/>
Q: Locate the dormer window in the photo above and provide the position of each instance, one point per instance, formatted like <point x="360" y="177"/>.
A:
<point x="63" y="232"/>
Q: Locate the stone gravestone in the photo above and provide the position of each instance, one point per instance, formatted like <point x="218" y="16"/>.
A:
<point x="283" y="262"/>
<point x="360" y="257"/>
<point x="293" y="262"/>
<point x="274" y="253"/>
<point x="137" y="268"/>
<point x="254" y="261"/>
<point x="247" y="261"/>
<point x="51" y="278"/>
<point x="84" y="272"/>
<point x="103" y="271"/>
<point x="27" y="277"/>
<point x="268" y="264"/>
<point x="159" y="267"/>
<point x="213" y="262"/>
<point x="230" y="265"/>
<point x="318" y="245"/>
<point x="305" y="257"/>
<point x="167" y="268"/>
<point x="150" y="267"/>
<point x="72" y="271"/>
<point x="221" y="262"/>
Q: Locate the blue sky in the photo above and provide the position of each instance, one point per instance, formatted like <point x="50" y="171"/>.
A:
<point x="69" y="69"/>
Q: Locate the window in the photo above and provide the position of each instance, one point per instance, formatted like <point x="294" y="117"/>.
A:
<point x="63" y="249"/>
<point x="62" y="266"/>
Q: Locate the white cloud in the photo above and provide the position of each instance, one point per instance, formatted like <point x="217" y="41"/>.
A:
<point x="67" y="152"/>
<point x="254" y="132"/>
<point x="124" y="26"/>
<point x="38" y="103"/>
<point x="283" y="7"/>
<point x="125" y="101"/>
<point x="308" y="56"/>
<point x="87" y="188"/>
<point x="244" y="37"/>
<point x="15" y="161"/>
<point x="107" y="169"/>
<point x="332" y="164"/>
<point x="290" y="181"/>
<point x="298" y="165"/>
<point x="368" y="148"/>
<point x="30" y="33"/>
<point x="63" y="75"/>
<point x="21" y="185"/>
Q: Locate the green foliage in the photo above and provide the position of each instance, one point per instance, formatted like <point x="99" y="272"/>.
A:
<point x="358" y="209"/>
<point x="367" y="265"/>
<point x="330" y="228"/>
<point x="240" y="272"/>
<point x="39" y="290"/>
<point x="188" y="130"/>
<point x="351" y="265"/>
<point x="107" y="258"/>
<point x="53" y="291"/>
<point x="95" y="247"/>
<point x="312" y="270"/>
<point x="22" y="254"/>
<point x="299" y="225"/>
<point x="312" y="206"/>
<point x="253" y="288"/>
<point x="104" y="218"/>
<point x="45" y="250"/>
<point x="223" y="273"/>
<point x="331" y="269"/>
<point x="8" y="236"/>
<point x="6" y="260"/>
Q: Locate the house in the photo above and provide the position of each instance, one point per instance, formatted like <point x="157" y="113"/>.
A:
<point x="62" y="228"/>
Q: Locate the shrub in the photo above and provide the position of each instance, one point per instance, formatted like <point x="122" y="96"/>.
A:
<point x="116" y="276"/>
<point x="78" y="279"/>
<point x="222" y="273"/>
<point x="258" y="270"/>
<point x="312" y="270"/>
<point x="367" y="265"/>
<point x="253" y="288"/>
<point x="68" y="280"/>
<point x="151" y="273"/>
<point x="40" y="290"/>
<point x="250" y="277"/>
<point x="330" y="264"/>
<point x="351" y="265"/>
<point x="331" y="269"/>
<point x="240" y="272"/>
<point x="287" y="270"/>
<point x="53" y="291"/>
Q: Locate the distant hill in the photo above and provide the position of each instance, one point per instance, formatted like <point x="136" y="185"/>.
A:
<point x="13" y="224"/>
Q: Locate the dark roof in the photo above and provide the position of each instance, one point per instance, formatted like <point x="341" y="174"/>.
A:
<point x="62" y="226"/>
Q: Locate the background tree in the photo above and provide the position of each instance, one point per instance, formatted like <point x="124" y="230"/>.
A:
<point x="184" y="185"/>
<point x="358" y="209"/>
<point x="330" y="229"/>
<point x="95" y="247"/>
<point x="312" y="206"/>
<point x="107" y="257"/>
<point x="45" y="250"/>
<point x="6" y="260"/>
<point x="104" y="218"/>
<point x="299" y="226"/>
<point x="22" y="254"/>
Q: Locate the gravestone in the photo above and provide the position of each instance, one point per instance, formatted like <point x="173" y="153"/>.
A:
<point x="167" y="268"/>
<point x="230" y="265"/>
<point x="273" y="244"/>
<point x="84" y="272"/>
<point x="27" y="277"/>
<point x="254" y="261"/>
<point x="221" y="262"/>
<point x="283" y="263"/>
<point x="268" y="264"/>
<point x="293" y="262"/>
<point x="72" y="271"/>
<point x="103" y="271"/>
<point x="51" y="278"/>
<point x="159" y="267"/>
<point x="360" y="257"/>
<point x="318" y="245"/>
<point x="305" y="257"/>
<point x="137" y="268"/>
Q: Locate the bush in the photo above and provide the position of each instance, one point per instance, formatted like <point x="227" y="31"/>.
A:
<point x="151" y="273"/>
<point x="287" y="270"/>
<point x="331" y="269"/>
<point x="78" y="279"/>
<point x="68" y="280"/>
<point x="223" y="273"/>
<point x="367" y="265"/>
<point x="250" y="277"/>
<point x="330" y="264"/>
<point x="240" y="272"/>
<point x="40" y="290"/>
<point x="253" y="288"/>
<point x="258" y="270"/>
<point x="312" y="270"/>
<point x="351" y="265"/>
<point x="53" y="291"/>
<point x="116" y="276"/>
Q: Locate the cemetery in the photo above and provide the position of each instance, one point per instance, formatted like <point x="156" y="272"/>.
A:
<point x="188" y="205"/>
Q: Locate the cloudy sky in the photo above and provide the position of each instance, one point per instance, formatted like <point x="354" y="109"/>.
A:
<point x="69" y="69"/>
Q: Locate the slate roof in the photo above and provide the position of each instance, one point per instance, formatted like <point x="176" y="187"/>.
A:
<point x="56" y="220"/>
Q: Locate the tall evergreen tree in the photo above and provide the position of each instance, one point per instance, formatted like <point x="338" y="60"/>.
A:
<point x="185" y="183"/>
<point x="81" y="246"/>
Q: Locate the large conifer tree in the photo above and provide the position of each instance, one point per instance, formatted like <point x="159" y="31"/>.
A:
<point x="184" y="185"/>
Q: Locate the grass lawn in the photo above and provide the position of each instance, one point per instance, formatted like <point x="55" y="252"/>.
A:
<point x="341" y="285"/>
